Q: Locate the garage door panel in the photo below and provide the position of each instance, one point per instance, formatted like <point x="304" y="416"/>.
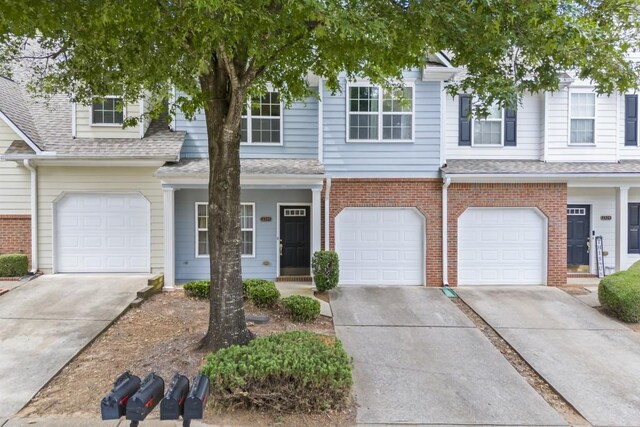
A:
<point x="380" y="246"/>
<point x="102" y="233"/>
<point x="501" y="247"/>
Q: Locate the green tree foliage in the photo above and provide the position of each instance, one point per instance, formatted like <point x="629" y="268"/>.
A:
<point x="219" y="52"/>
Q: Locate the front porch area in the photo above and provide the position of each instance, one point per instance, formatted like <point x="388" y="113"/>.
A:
<point x="280" y="219"/>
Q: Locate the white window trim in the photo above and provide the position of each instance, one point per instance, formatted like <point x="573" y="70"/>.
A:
<point x="249" y="116"/>
<point x="380" y="140"/>
<point x="473" y="127"/>
<point x="108" y="125"/>
<point x="588" y="90"/>
<point x="253" y="225"/>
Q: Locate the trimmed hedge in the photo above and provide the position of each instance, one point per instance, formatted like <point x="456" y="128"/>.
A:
<point x="251" y="283"/>
<point x="619" y="293"/>
<point x="302" y="308"/>
<point x="197" y="289"/>
<point x="298" y="370"/>
<point x="263" y="293"/>
<point x="326" y="270"/>
<point x="14" y="265"/>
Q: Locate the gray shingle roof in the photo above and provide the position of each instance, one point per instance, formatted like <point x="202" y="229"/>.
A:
<point x="194" y="167"/>
<point x="47" y="122"/>
<point x="535" y="167"/>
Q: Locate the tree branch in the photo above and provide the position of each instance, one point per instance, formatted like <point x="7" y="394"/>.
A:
<point x="229" y="66"/>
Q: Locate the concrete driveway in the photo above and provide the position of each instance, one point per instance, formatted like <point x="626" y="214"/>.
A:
<point x="591" y="360"/>
<point x="46" y="322"/>
<point x="419" y="360"/>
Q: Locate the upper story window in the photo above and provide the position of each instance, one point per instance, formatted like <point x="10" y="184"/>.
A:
<point x="262" y="120"/>
<point x="109" y="111"/>
<point x="499" y="128"/>
<point x="380" y="115"/>
<point x="583" y="118"/>
<point x="488" y="131"/>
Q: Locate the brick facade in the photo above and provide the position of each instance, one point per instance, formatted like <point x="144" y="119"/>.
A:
<point x="423" y="194"/>
<point x="549" y="198"/>
<point x="15" y="234"/>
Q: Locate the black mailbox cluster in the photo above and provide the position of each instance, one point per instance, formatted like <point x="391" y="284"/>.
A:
<point x="136" y="399"/>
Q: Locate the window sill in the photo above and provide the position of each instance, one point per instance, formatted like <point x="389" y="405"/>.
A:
<point x="261" y="144"/>
<point x="378" y="141"/>
<point x="207" y="256"/>
<point x="106" y="125"/>
<point x="489" y="146"/>
<point x="584" y="144"/>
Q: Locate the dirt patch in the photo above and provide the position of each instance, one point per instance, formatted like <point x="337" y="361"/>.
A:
<point x="575" y="290"/>
<point x="557" y="402"/>
<point x="324" y="296"/>
<point x="162" y="335"/>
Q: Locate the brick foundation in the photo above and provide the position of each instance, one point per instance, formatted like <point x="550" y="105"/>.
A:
<point x="550" y="199"/>
<point x="15" y="234"/>
<point x="423" y="194"/>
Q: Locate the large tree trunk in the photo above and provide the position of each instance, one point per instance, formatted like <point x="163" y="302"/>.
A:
<point x="223" y="111"/>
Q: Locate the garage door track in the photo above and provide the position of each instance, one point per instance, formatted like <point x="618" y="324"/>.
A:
<point x="46" y="322"/>
<point x="419" y="360"/>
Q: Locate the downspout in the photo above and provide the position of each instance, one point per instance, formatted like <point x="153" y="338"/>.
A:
<point x="320" y="122"/>
<point x="327" y="192"/>
<point x="34" y="215"/>
<point x="445" y="242"/>
<point x="545" y="127"/>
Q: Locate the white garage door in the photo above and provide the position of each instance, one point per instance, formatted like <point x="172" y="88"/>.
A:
<point x="102" y="233"/>
<point x="380" y="246"/>
<point x="501" y="247"/>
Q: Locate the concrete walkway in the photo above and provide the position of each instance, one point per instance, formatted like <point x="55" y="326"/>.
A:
<point x="419" y="360"/>
<point x="591" y="360"/>
<point x="45" y="322"/>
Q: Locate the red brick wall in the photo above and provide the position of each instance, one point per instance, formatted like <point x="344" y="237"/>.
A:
<point x="15" y="234"/>
<point x="423" y="194"/>
<point x="550" y="198"/>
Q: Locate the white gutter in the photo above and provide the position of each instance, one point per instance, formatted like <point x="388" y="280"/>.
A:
<point x="320" y="120"/>
<point x="34" y="215"/>
<point x="545" y="127"/>
<point x="327" y="192"/>
<point x="445" y="242"/>
<point x="443" y="124"/>
<point x="74" y="111"/>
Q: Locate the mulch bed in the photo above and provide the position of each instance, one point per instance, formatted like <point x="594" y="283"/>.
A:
<point x="162" y="335"/>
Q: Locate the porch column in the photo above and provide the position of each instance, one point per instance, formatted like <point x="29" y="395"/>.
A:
<point x="315" y="220"/>
<point x="169" y="239"/>
<point x="622" y="226"/>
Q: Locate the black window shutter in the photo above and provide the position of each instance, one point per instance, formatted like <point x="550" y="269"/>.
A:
<point x="510" y="127"/>
<point x="464" y="121"/>
<point x="634" y="228"/>
<point x="631" y="120"/>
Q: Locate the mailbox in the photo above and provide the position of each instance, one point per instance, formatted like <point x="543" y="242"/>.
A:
<point x="172" y="406"/>
<point x="114" y="404"/>
<point x="197" y="399"/>
<point x="149" y="395"/>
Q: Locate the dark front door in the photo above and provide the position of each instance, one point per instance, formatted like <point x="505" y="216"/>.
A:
<point x="295" y="240"/>
<point x="578" y="230"/>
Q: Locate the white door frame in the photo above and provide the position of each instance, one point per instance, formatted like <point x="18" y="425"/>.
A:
<point x="424" y="228"/>
<point x="311" y="223"/>
<point x="545" y="242"/>
<point x="54" y="219"/>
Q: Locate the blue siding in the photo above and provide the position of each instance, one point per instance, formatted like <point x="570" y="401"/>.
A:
<point x="188" y="267"/>
<point x="379" y="159"/>
<point x="300" y="135"/>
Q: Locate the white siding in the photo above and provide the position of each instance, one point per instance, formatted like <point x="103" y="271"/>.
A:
<point x="529" y="134"/>
<point x="84" y="128"/>
<point x="558" y="148"/>
<point x="14" y="180"/>
<point x="53" y="181"/>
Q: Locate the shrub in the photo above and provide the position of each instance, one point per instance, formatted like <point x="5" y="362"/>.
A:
<point x="14" y="265"/>
<point x="251" y="283"/>
<point x="263" y="293"/>
<point x="326" y="270"/>
<point x="197" y="289"/>
<point x="301" y="308"/>
<point x="620" y="294"/>
<point x="296" y="370"/>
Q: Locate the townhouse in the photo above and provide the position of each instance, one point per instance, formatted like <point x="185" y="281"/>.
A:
<point x="408" y="193"/>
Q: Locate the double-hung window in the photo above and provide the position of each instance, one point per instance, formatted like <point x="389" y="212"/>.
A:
<point x="262" y="120"/>
<point x="247" y="229"/>
<point x="488" y="131"/>
<point x="583" y="118"/>
<point x="380" y="115"/>
<point x="109" y="111"/>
